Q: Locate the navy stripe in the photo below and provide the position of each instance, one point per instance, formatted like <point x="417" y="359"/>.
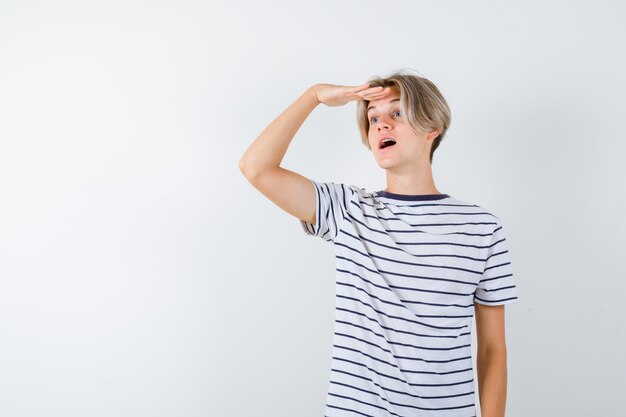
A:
<point x="400" y="330"/>
<point x="339" y="359"/>
<point x="386" y="389"/>
<point x="402" y="404"/>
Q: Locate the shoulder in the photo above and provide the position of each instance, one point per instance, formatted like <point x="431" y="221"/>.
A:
<point x="481" y="214"/>
<point x="337" y="194"/>
<point x="352" y="190"/>
<point x="355" y="197"/>
<point x="472" y="204"/>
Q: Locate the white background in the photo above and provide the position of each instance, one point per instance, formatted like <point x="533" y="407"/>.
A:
<point x="142" y="275"/>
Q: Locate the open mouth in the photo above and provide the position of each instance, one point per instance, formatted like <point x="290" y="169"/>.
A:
<point x="387" y="142"/>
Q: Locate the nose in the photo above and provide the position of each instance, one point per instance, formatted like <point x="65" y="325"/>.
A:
<point x="384" y="122"/>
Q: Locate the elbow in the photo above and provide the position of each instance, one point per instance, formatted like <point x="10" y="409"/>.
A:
<point x="498" y="350"/>
<point x="247" y="170"/>
<point x="244" y="167"/>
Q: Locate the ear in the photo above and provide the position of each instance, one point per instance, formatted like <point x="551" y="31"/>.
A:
<point x="432" y="135"/>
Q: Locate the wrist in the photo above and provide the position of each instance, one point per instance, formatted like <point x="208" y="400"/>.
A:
<point x="313" y="93"/>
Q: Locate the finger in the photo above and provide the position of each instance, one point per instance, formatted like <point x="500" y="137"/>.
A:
<point x="361" y="88"/>
<point x="371" y="93"/>
<point x="376" y="95"/>
<point x="376" y="90"/>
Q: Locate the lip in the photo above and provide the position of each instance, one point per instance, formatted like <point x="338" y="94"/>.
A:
<point x="383" y="150"/>
<point x="380" y="141"/>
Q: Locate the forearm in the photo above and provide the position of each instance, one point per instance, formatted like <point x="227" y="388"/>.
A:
<point x="269" y="148"/>
<point x="492" y="377"/>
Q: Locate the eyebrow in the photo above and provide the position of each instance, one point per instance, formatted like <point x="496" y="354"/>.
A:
<point x="373" y="107"/>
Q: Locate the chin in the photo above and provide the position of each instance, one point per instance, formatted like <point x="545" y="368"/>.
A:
<point x="386" y="164"/>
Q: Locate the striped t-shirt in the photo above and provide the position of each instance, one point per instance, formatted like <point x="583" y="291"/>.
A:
<point x="409" y="270"/>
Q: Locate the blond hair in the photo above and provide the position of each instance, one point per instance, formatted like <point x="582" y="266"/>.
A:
<point x="420" y="100"/>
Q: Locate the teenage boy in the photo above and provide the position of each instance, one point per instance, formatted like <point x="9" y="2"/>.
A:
<point x="414" y="265"/>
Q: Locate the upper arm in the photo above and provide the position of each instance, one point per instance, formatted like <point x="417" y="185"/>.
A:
<point x="490" y="326"/>
<point x="289" y="190"/>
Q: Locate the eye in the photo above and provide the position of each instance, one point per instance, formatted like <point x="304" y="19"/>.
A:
<point x="372" y="120"/>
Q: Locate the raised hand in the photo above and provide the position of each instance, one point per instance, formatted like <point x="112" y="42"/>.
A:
<point x="338" y="95"/>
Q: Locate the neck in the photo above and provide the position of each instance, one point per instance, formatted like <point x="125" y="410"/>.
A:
<point x="415" y="181"/>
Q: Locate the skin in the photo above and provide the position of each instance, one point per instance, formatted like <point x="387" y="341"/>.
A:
<point x="491" y="359"/>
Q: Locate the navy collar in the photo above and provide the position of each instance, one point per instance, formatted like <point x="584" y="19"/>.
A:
<point x="387" y="194"/>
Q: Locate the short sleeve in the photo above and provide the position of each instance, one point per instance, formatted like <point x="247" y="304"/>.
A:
<point x="331" y="202"/>
<point x="497" y="283"/>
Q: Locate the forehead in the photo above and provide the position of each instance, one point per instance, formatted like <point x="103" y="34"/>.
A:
<point x="389" y="99"/>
